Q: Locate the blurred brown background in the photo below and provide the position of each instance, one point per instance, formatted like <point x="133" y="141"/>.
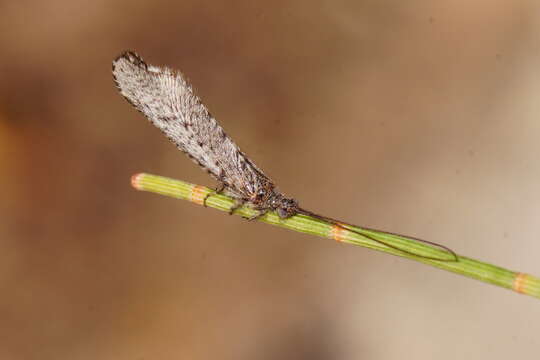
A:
<point x="418" y="117"/>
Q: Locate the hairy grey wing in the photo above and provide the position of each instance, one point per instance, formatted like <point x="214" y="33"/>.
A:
<point x="166" y="98"/>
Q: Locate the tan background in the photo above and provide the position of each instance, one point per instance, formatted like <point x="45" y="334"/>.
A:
<point x="419" y="117"/>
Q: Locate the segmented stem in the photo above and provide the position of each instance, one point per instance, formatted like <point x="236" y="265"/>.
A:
<point x="488" y="273"/>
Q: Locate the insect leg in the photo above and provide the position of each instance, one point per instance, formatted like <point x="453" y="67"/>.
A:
<point x="237" y="204"/>
<point x="219" y="189"/>
<point x="257" y="216"/>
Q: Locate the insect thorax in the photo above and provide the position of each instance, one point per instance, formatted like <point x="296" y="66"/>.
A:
<point x="274" y="200"/>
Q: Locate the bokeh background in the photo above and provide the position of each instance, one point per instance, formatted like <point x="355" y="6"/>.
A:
<point x="418" y="117"/>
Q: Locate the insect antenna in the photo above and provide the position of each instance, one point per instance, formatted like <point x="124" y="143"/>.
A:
<point x="348" y="227"/>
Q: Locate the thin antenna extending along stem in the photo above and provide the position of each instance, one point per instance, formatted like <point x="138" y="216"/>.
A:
<point x="391" y="243"/>
<point x="349" y="227"/>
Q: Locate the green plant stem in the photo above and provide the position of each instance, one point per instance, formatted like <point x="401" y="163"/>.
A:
<point x="516" y="281"/>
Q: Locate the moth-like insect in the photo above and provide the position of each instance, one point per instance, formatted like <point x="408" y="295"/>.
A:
<point x="166" y="98"/>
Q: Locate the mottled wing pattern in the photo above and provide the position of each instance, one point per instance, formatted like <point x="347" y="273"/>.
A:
<point x="166" y="98"/>
<point x="168" y="101"/>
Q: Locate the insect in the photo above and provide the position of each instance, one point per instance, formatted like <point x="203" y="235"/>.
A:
<point x="166" y="98"/>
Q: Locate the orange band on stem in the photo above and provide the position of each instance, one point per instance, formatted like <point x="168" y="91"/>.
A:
<point x="337" y="233"/>
<point x="198" y="193"/>
<point x="519" y="283"/>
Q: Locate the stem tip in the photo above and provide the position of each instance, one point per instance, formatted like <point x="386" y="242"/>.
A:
<point x="135" y="181"/>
